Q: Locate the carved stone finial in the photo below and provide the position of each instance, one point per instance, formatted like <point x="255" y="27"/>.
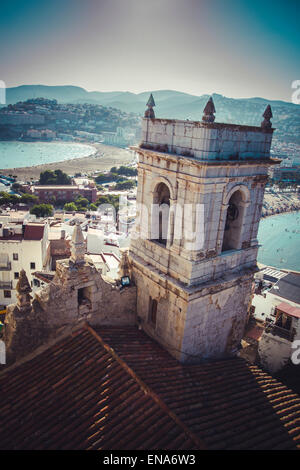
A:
<point x="77" y="245"/>
<point x="149" y="113"/>
<point x="209" y="111"/>
<point x="124" y="263"/>
<point x="266" y="123"/>
<point x="23" y="292"/>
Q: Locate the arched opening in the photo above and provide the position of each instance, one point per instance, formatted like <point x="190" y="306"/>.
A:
<point x="160" y="213"/>
<point x="152" y="311"/>
<point x="234" y="222"/>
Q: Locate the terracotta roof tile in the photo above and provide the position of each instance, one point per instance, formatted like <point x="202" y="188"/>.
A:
<point x="78" y="394"/>
<point x="33" y="232"/>
<point x="229" y="404"/>
<point x="116" y="388"/>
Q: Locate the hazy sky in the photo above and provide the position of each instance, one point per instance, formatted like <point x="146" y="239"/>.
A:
<point x="233" y="47"/>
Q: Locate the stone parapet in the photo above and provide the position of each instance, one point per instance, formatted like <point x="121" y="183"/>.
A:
<point x="206" y="140"/>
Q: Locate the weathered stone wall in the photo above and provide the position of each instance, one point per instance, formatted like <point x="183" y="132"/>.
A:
<point x="216" y="318"/>
<point x="58" y="306"/>
<point x="202" y="289"/>
<point x="206" y="141"/>
<point x="197" y="322"/>
<point x="23" y="332"/>
<point x="104" y="302"/>
<point x="171" y="307"/>
<point x="209" y="186"/>
<point x="274" y="351"/>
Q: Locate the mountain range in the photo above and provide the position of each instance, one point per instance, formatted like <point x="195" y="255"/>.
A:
<point x="174" y="104"/>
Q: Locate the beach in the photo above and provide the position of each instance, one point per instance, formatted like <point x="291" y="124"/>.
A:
<point x="105" y="157"/>
<point x="279" y="237"/>
<point x="278" y="203"/>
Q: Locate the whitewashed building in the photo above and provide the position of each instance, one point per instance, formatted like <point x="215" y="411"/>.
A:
<point x="22" y="246"/>
<point x="281" y="305"/>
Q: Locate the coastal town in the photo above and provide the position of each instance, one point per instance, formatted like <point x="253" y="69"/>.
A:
<point x="38" y="218"/>
<point x="149" y="232"/>
<point x="43" y="119"/>
<point x="83" y="268"/>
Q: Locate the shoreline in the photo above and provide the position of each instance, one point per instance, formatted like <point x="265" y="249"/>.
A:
<point x="289" y="211"/>
<point x="262" y="266"/>
<point x="276" y="251"/>
<point x="102" y="159"/>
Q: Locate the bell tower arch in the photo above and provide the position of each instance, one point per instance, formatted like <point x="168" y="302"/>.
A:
<point x="193" y="251"/>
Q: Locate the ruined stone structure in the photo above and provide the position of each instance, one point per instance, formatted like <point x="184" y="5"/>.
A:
<point x="193" y="253"/>
<point x="78" y="292"/>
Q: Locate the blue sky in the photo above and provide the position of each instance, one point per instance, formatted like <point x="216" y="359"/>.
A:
<point x="236" y="48"/>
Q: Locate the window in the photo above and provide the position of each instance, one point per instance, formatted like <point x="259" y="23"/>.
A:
<point x="16" y="275"/>
<point x="84" y="296"/>
<point x="152" y="311"/>
<point x="7" y="294"/>
<point x="15" y="256"/>
<point x="32" y="265"/>
<point x="160" y="214"/>
<point x="234" y="223"/>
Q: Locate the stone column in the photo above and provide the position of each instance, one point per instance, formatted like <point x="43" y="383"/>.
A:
<point x="77" y="246"/>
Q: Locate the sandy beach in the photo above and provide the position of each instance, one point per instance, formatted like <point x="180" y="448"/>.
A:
<point x="105" y="157"/>
<point x="278" y="203"/>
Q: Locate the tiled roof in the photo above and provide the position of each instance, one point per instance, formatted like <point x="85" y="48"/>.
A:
<point x="116" y="388"/>
<point x="34" y="232"/>
<point x="230" y="404"/>
<point x="79" y="395"/>
<point x="289" y="309"/>
<point x="254" y="332"/>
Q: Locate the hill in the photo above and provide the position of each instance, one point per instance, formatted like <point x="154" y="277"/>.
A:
<point x="174" y="104"/>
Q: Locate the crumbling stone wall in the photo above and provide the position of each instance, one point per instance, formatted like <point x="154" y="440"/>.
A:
<point x="78" y="292"/>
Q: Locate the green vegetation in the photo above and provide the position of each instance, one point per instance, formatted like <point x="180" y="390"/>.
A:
<point x="112" y="199"/>
<point x="106" y="178"/>
<point x="7" y="199"/>
<point x="54" y="177"/>
<point x="29" y="199"/>
<point x="115" y="174"/>
<point x="124" y="170"/>
<point x="70" y="207"/>
<point x="42" y="210"/>
<point x="128" y="184"/>
<point x="81" y="204"/>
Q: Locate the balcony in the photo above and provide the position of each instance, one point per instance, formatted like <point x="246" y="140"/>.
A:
<point x="5" y="285"/>
<point x="6" y="267"/>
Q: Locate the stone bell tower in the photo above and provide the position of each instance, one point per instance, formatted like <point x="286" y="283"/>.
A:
<point x="194" y="248"/>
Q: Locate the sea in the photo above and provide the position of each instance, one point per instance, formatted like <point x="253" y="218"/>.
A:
<point x="21" y="154"/>
<point x="279" y="237"/>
